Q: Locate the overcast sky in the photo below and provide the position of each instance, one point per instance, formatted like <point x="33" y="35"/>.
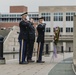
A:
<point x="34" y="4"/>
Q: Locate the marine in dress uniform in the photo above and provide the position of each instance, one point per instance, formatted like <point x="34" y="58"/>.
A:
<point x="31" y="40"/>
<point x="40" y="39"/>
<point x="23" y="38"/>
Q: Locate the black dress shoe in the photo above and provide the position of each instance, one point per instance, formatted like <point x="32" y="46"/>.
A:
<point x="23" y="62"/>
<point x="20" y="62"/>
<point x="40" y="61"/>
<point x="31" y="61"/>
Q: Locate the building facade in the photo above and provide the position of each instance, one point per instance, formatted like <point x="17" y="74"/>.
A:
<point x="61" y="16"/>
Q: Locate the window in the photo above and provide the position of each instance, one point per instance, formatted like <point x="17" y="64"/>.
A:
<point x="29" y="15"/>
<point x="18" y="19"/>
<point x="46" y="16"/>
<point x="67" y="29"/>
<point x="18" y="15"/>
<point x="69" y="16"/>
<point x="47" y="29"/>
<point x="34" y="16"/>
<point x="61" y="29"/>
<point x="35" y="19"/>
<point x="0" y="19"/>
<point x="71" y="29"/>
<point x="37" y="15"/>
<point x="58" y="16"/>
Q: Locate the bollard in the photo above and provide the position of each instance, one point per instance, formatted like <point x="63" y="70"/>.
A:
<point x="13" y="53"/>
<point x="2" y="59"/>
<point x="47" y="49"/>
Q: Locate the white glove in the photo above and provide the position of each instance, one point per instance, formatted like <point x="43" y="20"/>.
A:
<point x="27" y="18"/>
<point x="43" y="21"/>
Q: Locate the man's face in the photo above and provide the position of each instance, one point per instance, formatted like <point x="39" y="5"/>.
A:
<point x="32" y="20"/>
<point x="24" y="16"/>
<point x="41" y="20"/>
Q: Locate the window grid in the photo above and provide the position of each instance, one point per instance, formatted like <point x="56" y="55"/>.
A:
<point x="48" y="30"/>
<point x="58" y="16"/>
<point x="69" y="16"/>
<point x="61" y="29"/>
<point x="46" y="16"/>
<point x="68" y="29"/>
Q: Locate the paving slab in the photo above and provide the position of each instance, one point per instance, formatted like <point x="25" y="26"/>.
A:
<point x="12" y="67"/>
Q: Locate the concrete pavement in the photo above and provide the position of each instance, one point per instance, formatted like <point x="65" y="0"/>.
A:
<point x="63" y="68"/>
<point x="13" y="68"/>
